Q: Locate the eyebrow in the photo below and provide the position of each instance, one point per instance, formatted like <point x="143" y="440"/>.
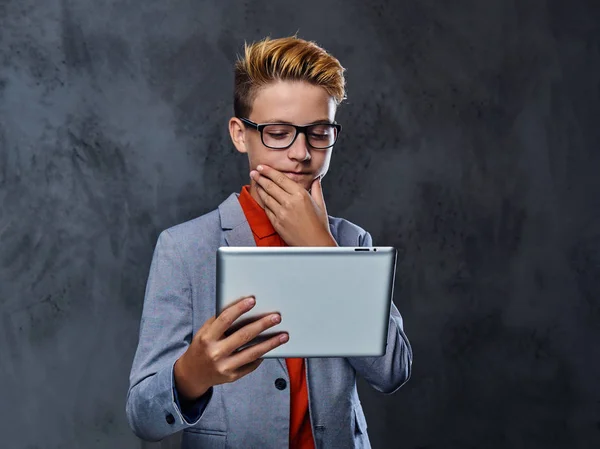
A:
<point x="316" y="122"/>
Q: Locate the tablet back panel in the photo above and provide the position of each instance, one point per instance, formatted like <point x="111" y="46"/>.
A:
<point x="334" y="301"/>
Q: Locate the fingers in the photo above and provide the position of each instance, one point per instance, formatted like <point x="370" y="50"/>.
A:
<point x="248" y="333"/>
<point x="270" y="188"/>
<point x="216" y="355"/>
<point x="274" y="182"/>
<point x="254" y="352"/>
<point x="226" y="318"/>
<point x="316" y="193"/>
<point x="270" y="203"/>
<point x="248" y="368"/>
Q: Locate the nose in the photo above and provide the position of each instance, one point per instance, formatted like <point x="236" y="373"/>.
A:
<point x="299" y="149"/>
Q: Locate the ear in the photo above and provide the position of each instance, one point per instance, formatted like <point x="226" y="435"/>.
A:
<point x="237" y="134"/>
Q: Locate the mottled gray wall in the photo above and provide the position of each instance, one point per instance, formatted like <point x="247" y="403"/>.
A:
<point x="470" y="142"/>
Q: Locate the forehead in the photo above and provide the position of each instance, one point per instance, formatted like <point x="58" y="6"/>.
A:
<point x="292" y="101"/>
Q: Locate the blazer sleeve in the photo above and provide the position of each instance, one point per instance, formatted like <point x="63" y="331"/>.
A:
<point x="152" y="408"/>
<point x="392" y="370"/>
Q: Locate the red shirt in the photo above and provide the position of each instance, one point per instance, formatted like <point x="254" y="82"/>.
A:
<point x="301" y="436"/>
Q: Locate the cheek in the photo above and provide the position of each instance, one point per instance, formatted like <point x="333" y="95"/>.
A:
<point x="259" y="154"/>
<point x="323" y="161"/>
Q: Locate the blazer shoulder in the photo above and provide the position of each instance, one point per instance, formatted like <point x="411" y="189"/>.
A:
<point x="347" y="233"/>
<point x="205" y="229"/>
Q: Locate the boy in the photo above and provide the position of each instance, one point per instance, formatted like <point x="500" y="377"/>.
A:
<point x="186" y="374"/>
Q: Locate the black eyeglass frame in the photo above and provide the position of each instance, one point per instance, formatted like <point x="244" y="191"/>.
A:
<point x="299" y="130"/>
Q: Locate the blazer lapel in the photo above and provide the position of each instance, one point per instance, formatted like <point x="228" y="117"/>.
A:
<point x="237" y="232"/>
<point x="235" y="227"/>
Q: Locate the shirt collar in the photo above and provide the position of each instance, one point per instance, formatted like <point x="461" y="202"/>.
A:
<point x="257" y="217"/>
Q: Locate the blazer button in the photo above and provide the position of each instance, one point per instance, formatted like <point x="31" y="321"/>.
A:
<point x="280" y="384"/>
<point x="170" y="418"/>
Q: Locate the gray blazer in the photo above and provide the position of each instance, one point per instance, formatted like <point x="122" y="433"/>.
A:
<point x="250" y="412"/>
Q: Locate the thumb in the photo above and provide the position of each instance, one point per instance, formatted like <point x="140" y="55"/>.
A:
<point x="316" y="192"/>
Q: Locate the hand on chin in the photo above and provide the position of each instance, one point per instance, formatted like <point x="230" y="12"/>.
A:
<point x="300" y="218"/>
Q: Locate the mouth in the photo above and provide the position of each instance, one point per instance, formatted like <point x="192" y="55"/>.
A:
<point x="295" y="176"/>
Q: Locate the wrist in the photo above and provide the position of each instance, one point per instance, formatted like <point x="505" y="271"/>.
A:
<point x="186" y="389"/>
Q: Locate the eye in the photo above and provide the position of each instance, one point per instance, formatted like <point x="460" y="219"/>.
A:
<point x="274" y="135"/>
<point x="321" y="132"/>
<point x="278" y="132"/>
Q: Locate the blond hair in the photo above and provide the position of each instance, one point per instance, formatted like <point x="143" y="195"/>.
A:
<point x="284" y="59"/>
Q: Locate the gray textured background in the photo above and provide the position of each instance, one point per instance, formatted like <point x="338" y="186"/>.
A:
<point x="470" y="142"/>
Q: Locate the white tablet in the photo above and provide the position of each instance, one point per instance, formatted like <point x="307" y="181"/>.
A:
<point x="333" y="301"/>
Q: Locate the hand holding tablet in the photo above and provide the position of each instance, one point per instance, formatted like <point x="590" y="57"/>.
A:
<point x="212" y="359"/>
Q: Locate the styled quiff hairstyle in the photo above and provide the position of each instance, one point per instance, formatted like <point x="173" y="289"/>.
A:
<point x="284" y="59"/>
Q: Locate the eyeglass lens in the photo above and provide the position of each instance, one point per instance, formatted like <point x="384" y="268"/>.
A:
<point x="281" y="136"/>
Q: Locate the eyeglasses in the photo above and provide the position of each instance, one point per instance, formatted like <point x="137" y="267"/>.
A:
<point x="279" y="136"/>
